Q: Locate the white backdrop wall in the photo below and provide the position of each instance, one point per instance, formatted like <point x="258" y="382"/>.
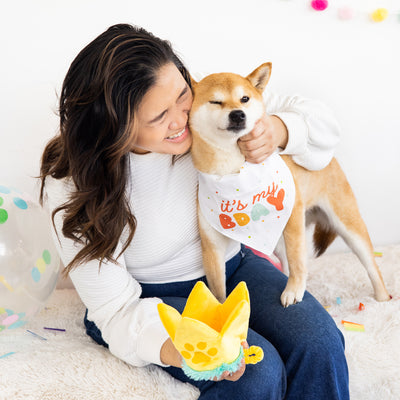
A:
<point x="352" y="66"/>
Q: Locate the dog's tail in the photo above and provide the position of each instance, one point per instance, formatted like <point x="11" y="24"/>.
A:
<point x="323" y="236"/>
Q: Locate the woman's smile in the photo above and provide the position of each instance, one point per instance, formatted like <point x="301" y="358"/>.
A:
<point x="180" y="136"/>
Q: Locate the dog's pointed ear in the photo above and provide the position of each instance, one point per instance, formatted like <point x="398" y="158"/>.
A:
<point x="193" y="83"/>
<point x="260" y="76"/>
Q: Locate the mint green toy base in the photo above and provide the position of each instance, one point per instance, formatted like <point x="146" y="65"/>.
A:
<point x="213" y="373"/>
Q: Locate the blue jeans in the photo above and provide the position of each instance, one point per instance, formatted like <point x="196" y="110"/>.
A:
<point x="303" y="349"/>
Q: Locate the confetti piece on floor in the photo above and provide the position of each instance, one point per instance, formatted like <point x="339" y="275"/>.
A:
<point x="351" y="323"/>
<point x="361" y="307"/>
<point x="5" y="283"/>
<point x="338" y="300"/>
<point x="377" y="254"/>
<point x="353" y="326"/>
<point x="35" y="334"/>
<point x="54" y="329"/>
<point x="7" y="354"/>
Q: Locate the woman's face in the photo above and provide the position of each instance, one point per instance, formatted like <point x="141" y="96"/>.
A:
<point x="163" y="115"/>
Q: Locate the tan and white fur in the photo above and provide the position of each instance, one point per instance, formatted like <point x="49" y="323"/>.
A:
<point x="323" y="197"/>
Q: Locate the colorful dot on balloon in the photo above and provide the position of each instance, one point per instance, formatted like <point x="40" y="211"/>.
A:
<point x="3" y="215"/>
<point x="4" y="190"/>
<point x="20" y="203"/>
<point x="6" y="284"/>
<point x="2" y="327"/>
<point x="319" y="5"/>
<point x="10" y="319"/>
<point x="46" y="257"/>
<point x="379" y="14"/>
<point x="35" y="274"/>
<point x="2" y="310"/>
<point x="18" y="324"/>
<point x="41" y="265"/>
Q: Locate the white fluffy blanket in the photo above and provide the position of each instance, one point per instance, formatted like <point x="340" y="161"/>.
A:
<point x="69" y="366"/>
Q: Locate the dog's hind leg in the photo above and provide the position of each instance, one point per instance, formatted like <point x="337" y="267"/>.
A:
<point x="295" y="243"/>
<point x="344" y="217"/>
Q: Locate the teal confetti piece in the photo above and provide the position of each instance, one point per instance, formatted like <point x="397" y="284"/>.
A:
<point x="7" y="354"/>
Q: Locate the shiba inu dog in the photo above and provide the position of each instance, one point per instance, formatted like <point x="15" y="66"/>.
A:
<point x="268" y="214"/>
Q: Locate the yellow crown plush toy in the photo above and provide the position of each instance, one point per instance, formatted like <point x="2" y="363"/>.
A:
<point x="209" y="334"/>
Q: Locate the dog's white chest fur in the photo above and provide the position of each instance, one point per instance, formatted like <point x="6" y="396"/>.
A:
<point x="251" y="207"/>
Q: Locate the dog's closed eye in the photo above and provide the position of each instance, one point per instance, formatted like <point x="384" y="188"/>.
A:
<point x="215" y="102"/>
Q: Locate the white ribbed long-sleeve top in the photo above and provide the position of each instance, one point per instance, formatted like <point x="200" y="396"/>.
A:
<point x="166" y="245"/>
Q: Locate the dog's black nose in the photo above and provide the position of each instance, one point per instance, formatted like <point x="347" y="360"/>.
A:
<point x="237" y="120"/>
<point x="237" y="116"/>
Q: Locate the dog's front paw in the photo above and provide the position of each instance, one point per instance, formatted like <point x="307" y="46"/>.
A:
<point x="292" y="295"/>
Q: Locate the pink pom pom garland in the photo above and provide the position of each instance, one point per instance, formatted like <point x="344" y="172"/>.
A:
<point x="319" y="5"/>
<point x="345" y="13"/>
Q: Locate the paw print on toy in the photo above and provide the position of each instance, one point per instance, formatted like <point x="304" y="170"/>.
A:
<point x="199" y="353"/>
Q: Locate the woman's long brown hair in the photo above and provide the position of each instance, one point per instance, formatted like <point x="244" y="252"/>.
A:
<point x="100" y="95"/>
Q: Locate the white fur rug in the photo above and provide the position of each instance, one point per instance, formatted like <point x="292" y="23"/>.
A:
<point x="69" y="366"/>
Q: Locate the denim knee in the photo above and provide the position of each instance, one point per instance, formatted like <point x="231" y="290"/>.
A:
<point x="317" y="367"/>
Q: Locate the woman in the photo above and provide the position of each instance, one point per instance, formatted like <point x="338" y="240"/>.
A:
<point x="124" y="214"/>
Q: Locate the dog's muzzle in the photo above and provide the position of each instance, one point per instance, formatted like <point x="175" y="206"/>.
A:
<point x="237" y="120"/>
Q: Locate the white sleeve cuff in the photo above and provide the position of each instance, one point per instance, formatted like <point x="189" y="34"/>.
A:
<point x="150" y="340"/>
<point x="297" y="132"/>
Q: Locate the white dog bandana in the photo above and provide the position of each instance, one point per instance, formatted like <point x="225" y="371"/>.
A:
<point x="252" y="206"/>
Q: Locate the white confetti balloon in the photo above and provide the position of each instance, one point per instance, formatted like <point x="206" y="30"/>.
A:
<point x="29" y="263"/>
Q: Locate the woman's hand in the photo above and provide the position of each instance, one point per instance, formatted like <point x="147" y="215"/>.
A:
<point x="268" y="134"/>
<point x="236" y="375"/>
<point x="170" y="355"/>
